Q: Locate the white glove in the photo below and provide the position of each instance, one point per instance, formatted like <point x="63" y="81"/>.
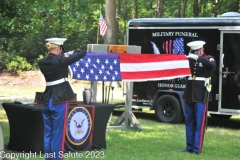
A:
<point x="192" y="56"/>
<point x="67" y="53"/>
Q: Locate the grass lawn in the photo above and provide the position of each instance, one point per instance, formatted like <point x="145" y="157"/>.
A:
<point x="158" y="141"/>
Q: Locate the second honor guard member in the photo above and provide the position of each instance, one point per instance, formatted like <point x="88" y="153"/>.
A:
<point x="196" y="96"/>
<point x="57" y="94"/>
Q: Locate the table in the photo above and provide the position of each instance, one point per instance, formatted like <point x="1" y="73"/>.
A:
<point x="26" y="126"/>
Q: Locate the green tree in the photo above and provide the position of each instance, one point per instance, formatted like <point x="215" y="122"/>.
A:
<point x="25" y="24"/>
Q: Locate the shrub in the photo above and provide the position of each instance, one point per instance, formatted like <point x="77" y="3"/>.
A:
<point x="18" y="64"/>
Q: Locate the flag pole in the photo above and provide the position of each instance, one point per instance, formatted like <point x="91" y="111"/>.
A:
<point x="98" y="23"/>
<point x="97" y="43"/>
<point x="97" y="33"/>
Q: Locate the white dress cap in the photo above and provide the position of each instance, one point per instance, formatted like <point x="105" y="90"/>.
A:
<point x="196" y="44"/>
<point x="57" y="41"/>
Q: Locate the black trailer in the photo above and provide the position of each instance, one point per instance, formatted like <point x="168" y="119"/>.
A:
<point x="170" y="36"/>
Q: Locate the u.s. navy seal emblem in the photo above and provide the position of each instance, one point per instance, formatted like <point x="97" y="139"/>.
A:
<point x="79" y="125"/>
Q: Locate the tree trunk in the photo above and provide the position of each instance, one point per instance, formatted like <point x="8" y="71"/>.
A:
<point x="118" y="9"/>
<point x="179" y="8"/>
<point x="159" y="9"/>
<point x="195" y="8"/>
<point x="184" y="8"/>
<point x="111" y="22"/>
<point x="125" y="21"/>
<point x="136" y="8"/>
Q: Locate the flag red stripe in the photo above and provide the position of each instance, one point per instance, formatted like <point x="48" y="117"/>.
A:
<point x="140" y="58"/>
<point x="160" y="74"/>
<point x="103" y="27"/>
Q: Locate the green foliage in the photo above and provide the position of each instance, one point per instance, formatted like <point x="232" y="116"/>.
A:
<point x="18" y="64"/>
<point x="26" y="24"/>
<point x="3" y="57"/>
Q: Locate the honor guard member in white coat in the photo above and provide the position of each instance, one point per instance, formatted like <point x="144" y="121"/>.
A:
<point x="196" y="95"/>
<point x="57" y="94"/>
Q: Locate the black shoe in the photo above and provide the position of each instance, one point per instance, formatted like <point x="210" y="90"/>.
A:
<point x="187" y="151"/>
<point x="195" y="153"/>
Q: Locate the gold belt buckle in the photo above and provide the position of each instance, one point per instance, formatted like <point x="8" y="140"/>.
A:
<point x="193" y="78"/>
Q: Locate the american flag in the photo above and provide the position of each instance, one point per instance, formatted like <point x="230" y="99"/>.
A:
<point x="175" y="46"/>
<point x="129" y="67"/>
<point x="103" y="25"/>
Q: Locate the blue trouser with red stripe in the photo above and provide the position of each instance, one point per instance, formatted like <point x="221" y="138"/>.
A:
<point x="55" y="118"/>
<point x="195" y="113"/>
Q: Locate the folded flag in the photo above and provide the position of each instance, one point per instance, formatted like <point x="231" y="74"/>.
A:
<point x="129" y="67"/>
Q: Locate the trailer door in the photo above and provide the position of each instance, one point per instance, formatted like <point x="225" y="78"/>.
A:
<point x="229" y="72"/>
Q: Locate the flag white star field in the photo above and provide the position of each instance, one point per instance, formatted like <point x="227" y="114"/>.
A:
<point x="97" y="67"/>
